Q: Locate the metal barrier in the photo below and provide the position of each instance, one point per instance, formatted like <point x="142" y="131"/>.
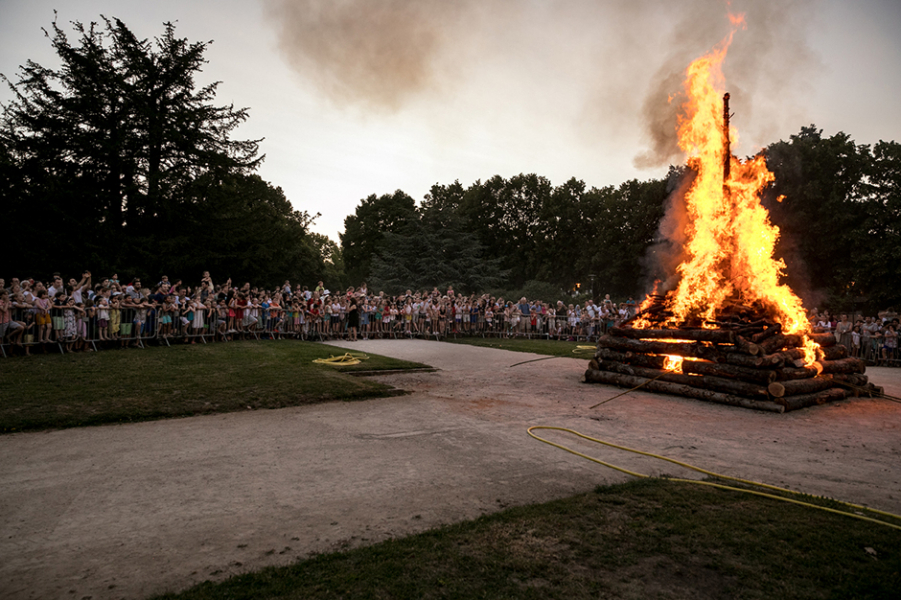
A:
<point x="71" y="328"/>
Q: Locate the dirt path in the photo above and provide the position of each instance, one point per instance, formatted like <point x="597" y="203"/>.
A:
<point x="132" y="510"/>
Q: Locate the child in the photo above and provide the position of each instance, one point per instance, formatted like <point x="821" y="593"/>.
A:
<point x="42" y="316"/>
<point x="70" y="323"/>
<point x="115" y="318"/>
<point x="167" y="310"/>
<point x="198" y="311"/>
<point x="103" y="310"/>
<point x="302" y="321"/>
<point x="379" y="313"/>
<point x="81" y="326"/>
<point x="224" y="319"/>
<point x="90" y="318"/>
<point x="408" y="316"/>
<point x="8" y="325"/>
<point x="364" y="317"/>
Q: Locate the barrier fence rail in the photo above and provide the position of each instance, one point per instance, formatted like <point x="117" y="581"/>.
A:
<point x="68" y="329"/>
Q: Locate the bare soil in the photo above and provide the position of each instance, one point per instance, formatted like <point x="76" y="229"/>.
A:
<point x="127" y="511"/>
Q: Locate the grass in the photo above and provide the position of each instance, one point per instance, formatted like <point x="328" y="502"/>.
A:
<point x="646" y="539"/>
<point x="74" y="390"/>
<point x="547" y="347"/>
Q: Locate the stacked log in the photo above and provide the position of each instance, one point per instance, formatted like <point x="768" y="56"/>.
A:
<point x="740" y="363"/>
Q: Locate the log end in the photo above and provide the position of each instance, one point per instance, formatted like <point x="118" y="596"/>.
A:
<point x="776" y="389"/>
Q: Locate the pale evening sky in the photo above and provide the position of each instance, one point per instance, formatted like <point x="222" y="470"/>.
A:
<point x="360" y="97"/>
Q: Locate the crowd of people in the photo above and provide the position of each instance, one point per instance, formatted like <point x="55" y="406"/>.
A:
<point x="86" y="315"/>
<point x="874" y="339"/>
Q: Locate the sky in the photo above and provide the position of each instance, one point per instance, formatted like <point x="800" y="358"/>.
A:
<point x="361" y="97"/>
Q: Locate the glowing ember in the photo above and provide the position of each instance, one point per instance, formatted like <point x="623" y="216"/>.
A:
<point x="729" y="252"/>
<point x="673" y="363"/>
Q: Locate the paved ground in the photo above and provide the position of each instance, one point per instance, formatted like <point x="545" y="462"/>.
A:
<point x="132" y="510"/>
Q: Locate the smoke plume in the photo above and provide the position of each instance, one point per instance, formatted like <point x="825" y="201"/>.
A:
<point x="768" y="64"/>
<point x="377" y="53"/>
<point x="604" y="71"/>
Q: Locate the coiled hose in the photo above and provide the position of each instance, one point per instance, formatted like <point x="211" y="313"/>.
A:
<point x="717" y="475"/>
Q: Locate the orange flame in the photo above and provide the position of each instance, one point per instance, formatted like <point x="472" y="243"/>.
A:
<point x="672" y="363"/>
<point x="731" y="241"/>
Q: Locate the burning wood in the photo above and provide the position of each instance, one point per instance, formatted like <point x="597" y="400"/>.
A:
<point x="718" y="371"/>
<point x="729" y="331"/>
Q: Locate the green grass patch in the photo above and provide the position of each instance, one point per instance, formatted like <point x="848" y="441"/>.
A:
<point x="646" y="539"/>
<point x="74" y="390"/>
<point x="547" y="347"/>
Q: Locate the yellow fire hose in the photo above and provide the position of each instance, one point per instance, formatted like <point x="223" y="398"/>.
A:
<point x="854" y="515"/>
<point x="347" y="359"/>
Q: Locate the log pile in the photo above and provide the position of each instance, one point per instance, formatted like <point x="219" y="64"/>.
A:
<point x="741" y="362"/>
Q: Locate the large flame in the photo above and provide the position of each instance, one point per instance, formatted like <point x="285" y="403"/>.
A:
<point x="731" y="242"/>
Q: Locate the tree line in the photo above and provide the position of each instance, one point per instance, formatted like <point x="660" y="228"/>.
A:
<point x="837" y="204"/>
<point x="118" y="160"/>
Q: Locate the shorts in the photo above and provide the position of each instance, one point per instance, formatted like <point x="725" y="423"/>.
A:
<point x="42" y="319"/>
<point x="103" y="323"/>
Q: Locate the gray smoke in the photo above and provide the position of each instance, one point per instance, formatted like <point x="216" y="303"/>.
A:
<point x="768" y="63"/>
<point x="376" y="53"/>
<point x="616" y="62"/>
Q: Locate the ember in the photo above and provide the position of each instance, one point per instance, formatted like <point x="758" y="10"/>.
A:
<point x="729" y="332"/>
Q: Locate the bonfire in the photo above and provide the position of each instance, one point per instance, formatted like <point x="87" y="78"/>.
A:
<point x="730" y="331"/>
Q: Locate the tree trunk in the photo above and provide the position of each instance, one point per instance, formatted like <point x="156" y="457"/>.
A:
<point x="767" y="333"/>
<point x="646" y="347"/>
<point x="780" y="342"/>
<point x="844" y="365"/>
<point x="852" y="379"/>
<point x="823" y="339"/>
<point x="836" y="352"/>
<point x="786" y="373"/>
<point x="709" y="382"/>
<point x="630" y="358"/>
<point x="696" y="335"/>
<point x="754" y="362"/>
<point x="794" y="357"/>
<point x="731" y="371"/>
<point x="747" y="347"/>
<point x="666" y="387"/>
<point x="805" y="400"/>
<point x="794" y="387"/>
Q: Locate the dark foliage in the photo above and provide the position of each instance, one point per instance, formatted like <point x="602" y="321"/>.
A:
<point x="117" y="160"/>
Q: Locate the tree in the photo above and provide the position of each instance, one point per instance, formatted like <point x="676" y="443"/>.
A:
<point x="624" y="223"/>
<point x="329" y="252"/>
<point x="437" y="249"/>
<point x="877" y="243"/>
<point x="817" y="200"/>
<point x="109" y="145"/>
<point x="506" y="216"/>
<point x="365" y="230"/>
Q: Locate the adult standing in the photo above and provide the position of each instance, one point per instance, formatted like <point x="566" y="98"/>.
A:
<point x="843" y="332"/>
<point x="353" y="319"/>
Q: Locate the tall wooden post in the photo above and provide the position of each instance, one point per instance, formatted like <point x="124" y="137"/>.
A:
<point x="727" y="158"/>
